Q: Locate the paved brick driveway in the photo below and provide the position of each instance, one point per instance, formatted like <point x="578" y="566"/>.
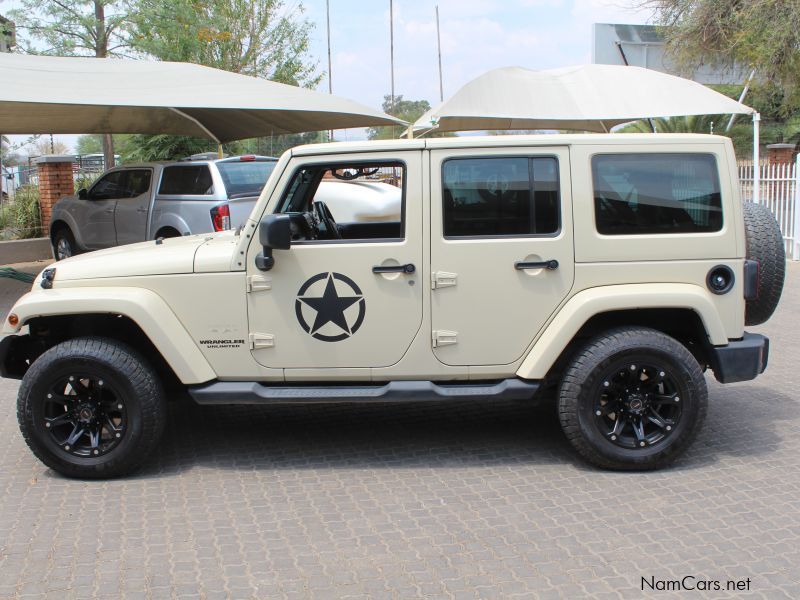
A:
<point x="481" y="500"/>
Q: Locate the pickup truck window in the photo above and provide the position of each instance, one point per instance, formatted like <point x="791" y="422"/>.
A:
<point x="108" y="187"/>
<point x="138" y="182"/>
<point x="245" y="178"/>
<point x="504" y="196"/>
<point x="640" y="194"/>
<point x="190" y="180"/>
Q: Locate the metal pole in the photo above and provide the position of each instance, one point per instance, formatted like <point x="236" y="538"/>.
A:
<point x="439" y="50"/>
<point x="330" y="68"/>
<point x="391" y="56"/>
<point x="796" y="232"/>
<point x="741" y="99"/>
<point x="756" y="158"/>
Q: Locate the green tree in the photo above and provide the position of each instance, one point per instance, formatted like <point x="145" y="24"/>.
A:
<point x="89" y="144"/>
<point x="761" y="34"/>
<point x="74" y="28"/>
<point x="408" y="110"/>
<point x="260" y="38"/>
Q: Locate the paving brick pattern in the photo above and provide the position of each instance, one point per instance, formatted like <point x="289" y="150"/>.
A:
<point x="473" y="501"/>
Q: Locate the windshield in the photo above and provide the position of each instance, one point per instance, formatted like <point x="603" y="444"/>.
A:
<point x="245" y="177"/>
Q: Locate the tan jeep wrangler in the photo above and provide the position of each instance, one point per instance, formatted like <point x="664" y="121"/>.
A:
<point x="611" y="269"/>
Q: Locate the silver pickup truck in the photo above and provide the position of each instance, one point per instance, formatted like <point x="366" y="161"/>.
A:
<point x="134" y="203"/>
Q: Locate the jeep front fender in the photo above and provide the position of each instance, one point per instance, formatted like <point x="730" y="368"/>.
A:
<point x="144" y="307"/>
<point x="594" y="301"/>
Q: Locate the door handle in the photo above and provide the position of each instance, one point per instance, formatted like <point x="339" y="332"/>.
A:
<point x="550" y="265"/>
<point x="141" y="209"/>
<point x="408" y="269"/>
<point x="109" y="211"/>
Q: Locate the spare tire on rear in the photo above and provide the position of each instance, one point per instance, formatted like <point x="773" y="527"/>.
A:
<point x="766" y="246"/>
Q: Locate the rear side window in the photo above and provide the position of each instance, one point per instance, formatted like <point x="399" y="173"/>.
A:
<point x="487" y="197"/>
<point x="192" y="180"/>
<point x="656" y="193"/>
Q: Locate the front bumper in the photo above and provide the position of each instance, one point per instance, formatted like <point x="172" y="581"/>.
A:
<point x="740" y="360"/>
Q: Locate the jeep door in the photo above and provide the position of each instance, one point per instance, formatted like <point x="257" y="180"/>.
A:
<point x="330" y="302"/>
<point x="95" y="217"/>
<point x="502" y="256"/>
<point x="130" y="215"/>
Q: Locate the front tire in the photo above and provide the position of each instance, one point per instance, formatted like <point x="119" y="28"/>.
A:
<point x="91" y="408"/>
<point x="64" y="244"/>
<point x="632" y="399"/>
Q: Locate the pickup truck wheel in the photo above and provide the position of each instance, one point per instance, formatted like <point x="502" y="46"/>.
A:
<point x="64" y="244"/>
<point x="91" y="408"/>
<point x="632" y="399"/>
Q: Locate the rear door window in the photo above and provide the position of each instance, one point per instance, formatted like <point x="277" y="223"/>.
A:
<point x="138" y="182"/>
<point x="190" y="180"/>
<point x="490" y="197"/>
<point x="656" y="193"/>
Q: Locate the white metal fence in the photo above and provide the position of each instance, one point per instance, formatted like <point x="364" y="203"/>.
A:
<point x="780" y="192"/>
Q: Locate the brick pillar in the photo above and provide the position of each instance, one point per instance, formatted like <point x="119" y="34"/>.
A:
<point x="781" y="154"/>
<point x="55" y="182"/>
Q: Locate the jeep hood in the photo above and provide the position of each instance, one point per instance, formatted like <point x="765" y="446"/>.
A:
<point x="171" y="256"/>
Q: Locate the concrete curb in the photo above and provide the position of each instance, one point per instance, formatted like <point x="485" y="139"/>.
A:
<point x="20" y="251"/>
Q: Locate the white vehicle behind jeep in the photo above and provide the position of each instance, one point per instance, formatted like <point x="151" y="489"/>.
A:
<point x="604" y="273"/>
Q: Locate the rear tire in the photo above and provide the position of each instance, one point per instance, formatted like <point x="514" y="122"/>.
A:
<point x="91" y="408"/>
<point x="632" y="399"/>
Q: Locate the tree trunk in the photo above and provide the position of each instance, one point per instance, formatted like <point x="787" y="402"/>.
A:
<point x="101" y="51"/>
<point x="108" y="151"/>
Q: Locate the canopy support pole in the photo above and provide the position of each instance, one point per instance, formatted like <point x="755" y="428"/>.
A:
<point x="199" y="124"/>
<point x="756" y="158"/>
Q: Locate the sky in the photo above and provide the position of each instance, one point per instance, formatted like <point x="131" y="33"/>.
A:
<point x="477" y="35"/>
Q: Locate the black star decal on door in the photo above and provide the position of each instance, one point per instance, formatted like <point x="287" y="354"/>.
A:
<point x="332" y="322"/>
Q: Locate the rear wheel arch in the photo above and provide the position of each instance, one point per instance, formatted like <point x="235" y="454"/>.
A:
<point x="683" y="324"/>
<point x="167" y="232"/>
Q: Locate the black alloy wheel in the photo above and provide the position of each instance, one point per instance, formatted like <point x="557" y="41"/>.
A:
<point x="638" y="404"/>
<point x="83" y="415"/>
<point x="632" y="398"/>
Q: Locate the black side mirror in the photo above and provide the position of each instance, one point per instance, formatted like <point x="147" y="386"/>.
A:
<point x="274" y="233"/>
<point x="83" y="194"/>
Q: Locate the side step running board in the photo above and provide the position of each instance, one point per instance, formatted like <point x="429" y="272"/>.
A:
<point x="254" y="392"/>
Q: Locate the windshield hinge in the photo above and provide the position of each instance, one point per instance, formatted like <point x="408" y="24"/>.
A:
<point x="258" y="283"/>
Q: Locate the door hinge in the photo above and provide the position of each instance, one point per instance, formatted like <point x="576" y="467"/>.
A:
<point x="443" y="279"/>
<point x="261" y="340"/>
<point x="258" y="283"/>
<point x="442" y="337"/>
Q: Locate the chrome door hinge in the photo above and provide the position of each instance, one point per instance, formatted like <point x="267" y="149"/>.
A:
<point x="443" y="279"/>
<point x="442" y="337"/>
<point x="258" y="283"/>
<point x="261" y="340"/>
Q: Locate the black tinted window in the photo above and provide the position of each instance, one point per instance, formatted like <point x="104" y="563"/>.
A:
<point x="245" y="177"/>
<point x="656" y="193"/>
<point x="191" y="179"/>
<point x="500" y="196"/>
<point x="109" y="187"/>
<point x="138" y="182"/>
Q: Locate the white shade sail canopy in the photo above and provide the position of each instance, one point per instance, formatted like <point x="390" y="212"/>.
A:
<point x="44" y="94"/>
<point x="584" y="98"/>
